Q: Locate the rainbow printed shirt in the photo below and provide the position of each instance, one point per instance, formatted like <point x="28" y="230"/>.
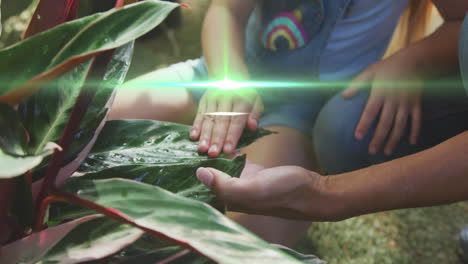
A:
<point x="291" y="25"/>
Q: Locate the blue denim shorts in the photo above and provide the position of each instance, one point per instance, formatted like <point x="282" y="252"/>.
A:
<point x="445" y="115"/>
<point x="294" y="108"/>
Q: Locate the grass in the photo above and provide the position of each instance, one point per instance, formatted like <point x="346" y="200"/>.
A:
<point x="423" y="235"/>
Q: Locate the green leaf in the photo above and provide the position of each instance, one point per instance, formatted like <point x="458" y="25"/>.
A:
<point x="47" y="112"/>
<point x="14" y="161"/>
<point x="463" y="46"/>
<point x="31" y="248"/>
<point x="22" y="209"/>
<point x="92" y="240"/>
<point x="133" y="142"/>
<point x="190" y="222"/>
<point x="161" y="154"/>
<point x="54" y="52"/>
<point x="306" y="259"/>
<point x="150" y="250"/>
<point x="74" y="242"/>
<point x="13" y="137"/>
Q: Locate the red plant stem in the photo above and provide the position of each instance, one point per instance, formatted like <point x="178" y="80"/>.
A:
<point x="97" y="71"/>
<point x="119" y="3"/>
<point x="51" y="13"/>
<point x="43" y="209"/>
<point x="72" y="10"/>
<point x="117" y="216"/>
<point x="174" y="257"/>
<point x="28" y="177"/>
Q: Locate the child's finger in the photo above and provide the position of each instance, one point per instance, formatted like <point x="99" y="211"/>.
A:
<point x="361" y="81"/>
<point x="221" y="126"/>
<point x="197" y="123"/>
<point x="207" y="126"/>
<point x="254" y="116"/>
<point x="383" y="128"/>
<point x="236" y="126"/>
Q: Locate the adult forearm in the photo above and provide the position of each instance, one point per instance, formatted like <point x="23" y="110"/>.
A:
<point x="223" y="42"/>
<point x="438" y="53"/>
<point x="432" y="177"/>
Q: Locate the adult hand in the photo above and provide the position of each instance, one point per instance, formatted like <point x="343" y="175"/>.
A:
<point x="395" y="97"/>
<point x="288" y="192"/>
<point x="221" y="118"/>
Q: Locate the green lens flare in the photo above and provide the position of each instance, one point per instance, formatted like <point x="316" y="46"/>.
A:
<point x="229" y="84"/>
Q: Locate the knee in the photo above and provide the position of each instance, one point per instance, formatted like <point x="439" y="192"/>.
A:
<point x="336" y="148"/>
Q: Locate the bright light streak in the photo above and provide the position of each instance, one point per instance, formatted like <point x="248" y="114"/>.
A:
<point x="227" y="84"/>
<point x="226" y="114"/>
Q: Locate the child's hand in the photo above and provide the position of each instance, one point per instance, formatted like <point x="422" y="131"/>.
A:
<point x="221" y="118"/>
<point x="395" y="96"/>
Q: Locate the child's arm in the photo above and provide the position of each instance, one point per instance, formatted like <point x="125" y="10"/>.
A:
<point x="223" y="47"/>
<point x="223" y="37"/>
<point x="397" y="81"/>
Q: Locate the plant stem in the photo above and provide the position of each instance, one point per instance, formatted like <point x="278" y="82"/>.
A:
<point x="28" y="177"/>
<point x="43" y="209"/>
<point x="87" y="93"/>
<point x="174" y="257"/>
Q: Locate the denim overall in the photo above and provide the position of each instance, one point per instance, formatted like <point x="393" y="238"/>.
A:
<point x="284" y="42"/>
<point x="272" y="57"/>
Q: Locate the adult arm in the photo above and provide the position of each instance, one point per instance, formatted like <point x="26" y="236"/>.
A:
<point x="223" y="37"/>
<point x="432" y="177"/>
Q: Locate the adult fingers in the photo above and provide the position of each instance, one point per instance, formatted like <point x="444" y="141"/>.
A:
<point x="398" y="130"/>
<point x="383" y="127"/>
<point x="221" y="125"/>
<point x="208" y="123"/>
<point x="361" y="81"/>
<point x="416" y="120"/>
<point x="369" y="114"/>
<point x="232" y="191"/>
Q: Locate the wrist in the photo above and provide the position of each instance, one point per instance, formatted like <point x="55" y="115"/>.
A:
<point x="413" y="60"/>
<point x="344" y="196"/>
<point x="332" y="201"/>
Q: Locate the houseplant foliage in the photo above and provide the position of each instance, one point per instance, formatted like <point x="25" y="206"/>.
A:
<point x="75" y="188"/>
